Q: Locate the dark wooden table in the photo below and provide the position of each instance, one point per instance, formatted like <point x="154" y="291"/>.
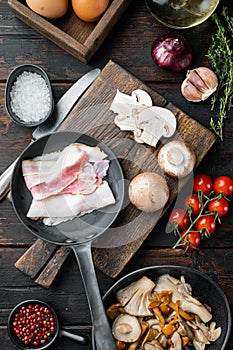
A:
<point x="128" y="45"/>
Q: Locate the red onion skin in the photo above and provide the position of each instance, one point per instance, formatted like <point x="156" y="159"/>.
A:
<point x="171" y="52"/>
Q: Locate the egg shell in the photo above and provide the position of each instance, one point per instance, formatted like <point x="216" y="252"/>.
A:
<point x="89" y="10"/>
<point x="49" y="8"/>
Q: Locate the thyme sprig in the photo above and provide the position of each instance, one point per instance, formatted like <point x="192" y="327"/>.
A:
<point x="220" y="54"/>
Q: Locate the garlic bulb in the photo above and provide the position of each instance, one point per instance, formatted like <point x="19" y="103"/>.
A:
<point x="199" y="84"/>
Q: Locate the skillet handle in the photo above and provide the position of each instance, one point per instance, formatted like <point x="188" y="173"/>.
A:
<point x="103" y="335"/>
<point x="78" y="338"/>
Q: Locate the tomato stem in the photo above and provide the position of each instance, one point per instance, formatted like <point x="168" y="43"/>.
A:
<point x="201" y="195"/>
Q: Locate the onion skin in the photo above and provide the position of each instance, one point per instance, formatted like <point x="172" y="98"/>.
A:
<point x="171" y="52"/>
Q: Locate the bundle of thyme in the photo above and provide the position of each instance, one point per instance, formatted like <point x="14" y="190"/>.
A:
<point x="220" y="54"/>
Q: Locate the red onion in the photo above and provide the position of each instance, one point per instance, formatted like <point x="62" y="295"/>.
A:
<point x="173" y="53"/>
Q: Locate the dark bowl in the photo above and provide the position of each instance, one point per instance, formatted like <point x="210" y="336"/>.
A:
<point x="17" y="341"/>
<point x="204" y="288"/>
<point x="9" y="84"/>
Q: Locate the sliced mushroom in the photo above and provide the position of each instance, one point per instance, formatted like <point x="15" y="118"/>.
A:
<point x="155" y="122"/>
<point x="176" y="159"/>
<point x="142" y="97"/>
<point x="187" y="302"/>
<point x="136" y="113"/>
<point x="144" y="327"/>
<point x="210" y="333"/>
<point x="126" y="328"/>
<point x="198" y="346"/>
<point x="214" y="333"/>
<point x="135" y="297"/>
<point x="185" y="330"/>
<point x="127" y="108"/>
<point x="151" y="346"/>
<point x="176" y="341"/>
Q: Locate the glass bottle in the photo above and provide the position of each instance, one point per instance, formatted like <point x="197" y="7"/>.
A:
<point x="181" y="13"/>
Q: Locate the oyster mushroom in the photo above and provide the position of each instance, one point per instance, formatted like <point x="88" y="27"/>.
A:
<point x="179" y="292"/>
<point x="154" y="123"/>
<point x="176" y="159"/>
<point x="135" y="297"/>
<point x="204" y="334"/>
<point x="134" y="345"/>
<point x="176" y="341"/>
<point x="152" y="346"/>
<point x="126" y="328"/>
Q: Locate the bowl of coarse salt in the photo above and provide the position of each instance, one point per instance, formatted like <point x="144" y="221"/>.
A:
<point x="28" y="95"/>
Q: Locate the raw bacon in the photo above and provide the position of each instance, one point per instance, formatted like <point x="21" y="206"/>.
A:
<point x="68" y="205"/>
<point x="67" y="183"/>
<point x="65" y="170"/>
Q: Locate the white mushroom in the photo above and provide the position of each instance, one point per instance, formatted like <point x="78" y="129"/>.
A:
<point x="135" y="297"/>
<point x="152" y="346"/>
<point x="176" y="341"/>
<point x="148" y="192"/>
<point x="155" y="123"/>
<point x="127" y="107"/>
<point x="214" y="333"/>
<point x="126" y="328"/>
<point x="198" y="346"/>
<point x="185" y="330"/>
<point x="142" y="97"/>
<point x="176" y="159"/>
<point x="148" y="123"/>
<point x="204" y="333"/>
<point x="187" y="302"/>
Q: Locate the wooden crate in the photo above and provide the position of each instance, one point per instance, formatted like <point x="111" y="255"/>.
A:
<point x="79" y="38"/>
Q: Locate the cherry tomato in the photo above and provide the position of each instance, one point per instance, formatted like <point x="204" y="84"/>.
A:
<point x="223" y="184"/>
<point x="193" y="201"/>
<point x="202" y="183"/>
<point x="191" y="240"/>
<point x="180" y="217"/>
<point x="207" y="224"/>
<point x="219" y="205"/>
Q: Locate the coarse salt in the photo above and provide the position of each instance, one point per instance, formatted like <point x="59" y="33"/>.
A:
<point x="30" y="97"/>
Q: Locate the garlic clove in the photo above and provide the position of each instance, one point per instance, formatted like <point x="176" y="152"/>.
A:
<point x="199" y="84"/>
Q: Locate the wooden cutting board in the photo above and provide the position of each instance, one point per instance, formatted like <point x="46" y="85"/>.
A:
<point x="91" y="115"/>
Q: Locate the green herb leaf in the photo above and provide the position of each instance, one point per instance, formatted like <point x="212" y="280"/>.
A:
<point x="220" y="54"/>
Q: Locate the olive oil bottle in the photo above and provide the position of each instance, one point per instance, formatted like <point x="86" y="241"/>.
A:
<point x="181" y="13"/>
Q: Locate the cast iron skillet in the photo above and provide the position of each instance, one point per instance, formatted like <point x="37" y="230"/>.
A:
<point x="79" y="233"/>
<point x="203" y="287"/>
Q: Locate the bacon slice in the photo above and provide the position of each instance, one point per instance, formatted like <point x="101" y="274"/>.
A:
<point x="63" y="172"/>
<point x="37" y="170"/>
<point x="68" y="206"/>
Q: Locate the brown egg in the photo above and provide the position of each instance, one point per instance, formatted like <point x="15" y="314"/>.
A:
<point x="89" y="10"/>
<point x="48" y="8"/>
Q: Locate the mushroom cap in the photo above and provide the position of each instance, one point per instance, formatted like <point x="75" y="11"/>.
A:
<point x="135" y="297"/>
<point x="176" y="159"/>
<point x="148" y="192"/>
<point x="142" y="97"/>
<point x="166" y="118"/>
<point x="126" y="328"/>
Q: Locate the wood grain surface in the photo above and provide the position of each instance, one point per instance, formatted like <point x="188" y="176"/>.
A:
<point x="128" y="44"/>
<point x="91" y="115"/>
<point x="79" y="38"/>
